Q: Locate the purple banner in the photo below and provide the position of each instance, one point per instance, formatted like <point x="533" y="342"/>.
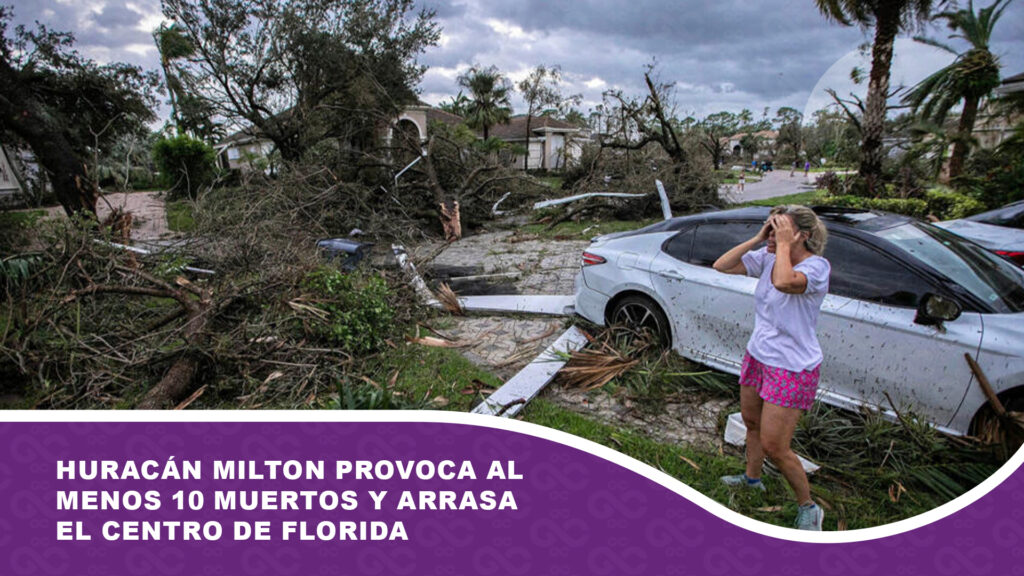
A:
<point x="283" y="498"/>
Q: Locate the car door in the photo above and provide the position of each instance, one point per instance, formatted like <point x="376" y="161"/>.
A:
<point x="712" y="313"/>
<point x="872" y="346"/>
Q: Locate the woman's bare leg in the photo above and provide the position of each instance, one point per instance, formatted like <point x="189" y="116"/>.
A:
<point x="750" y="409"/>
<point x="777" y="427"/>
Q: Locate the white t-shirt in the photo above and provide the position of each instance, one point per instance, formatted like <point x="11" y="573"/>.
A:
<point x="784" y="324"/>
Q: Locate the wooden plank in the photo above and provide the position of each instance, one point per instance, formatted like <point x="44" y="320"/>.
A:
<point x="508" y="400"/>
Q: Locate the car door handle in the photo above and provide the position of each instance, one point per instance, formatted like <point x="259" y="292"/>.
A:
<point x="670" y="274"/>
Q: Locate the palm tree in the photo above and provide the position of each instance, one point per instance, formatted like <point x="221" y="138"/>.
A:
<point x="971" y="77"/>
<point x="888" y="17"/>
<point x="488" y="98"/>
<point x="172" y="44"/>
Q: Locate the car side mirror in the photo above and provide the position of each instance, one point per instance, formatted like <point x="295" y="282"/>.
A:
<point x="934" y="310"/>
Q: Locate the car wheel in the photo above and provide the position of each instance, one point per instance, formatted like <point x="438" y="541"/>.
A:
<point x="640" y="315"/>
<point x="982" y="426"/>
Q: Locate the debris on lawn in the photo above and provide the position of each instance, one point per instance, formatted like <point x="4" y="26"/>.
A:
<point x="508" y="400"/>
<point x="666" y="208"/>
<point x="424" y="293"/>
<point x="348" y="252"/>
<point x="436" y="342"/>
<point x="736" y="434"/>
<point x="592" y="368"/>
<point x="449" y="300"/>
<point x="567" y="199"/>
<point x="145" y="252"/>
<point x="1006" y="428"/>
<point x="521" y="303"/>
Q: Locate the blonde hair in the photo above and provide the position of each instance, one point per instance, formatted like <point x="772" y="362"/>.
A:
<point x="806" y="221"/>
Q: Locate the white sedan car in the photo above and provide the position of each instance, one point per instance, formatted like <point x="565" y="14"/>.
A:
<point x="907" y="302"/>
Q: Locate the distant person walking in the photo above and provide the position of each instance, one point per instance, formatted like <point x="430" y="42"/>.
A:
<point x="743" y="178"/>
<point x="807" y="168"/>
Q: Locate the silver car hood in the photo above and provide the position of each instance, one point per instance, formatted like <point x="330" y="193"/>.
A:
<point x="986" y="235"/>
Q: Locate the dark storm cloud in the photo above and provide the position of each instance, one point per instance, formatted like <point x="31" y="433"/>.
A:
<point x="726" y="54"/>
<point x="722" y="55"/>
<point x="117" y="17"/>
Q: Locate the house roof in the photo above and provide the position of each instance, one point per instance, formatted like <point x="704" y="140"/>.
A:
<point x="1014" y="79"/>
<point x="761" y="134"/>
<point x="1011" y="85"/>
<point x="243" y="136"/>
<point x="516" y="127"/>
<point x="438" y="115"/>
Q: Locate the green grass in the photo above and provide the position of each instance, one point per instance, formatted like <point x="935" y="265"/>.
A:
<point x="179" y="216"/>
<point x="554" y="182"/>
<point x="852" y="498"/>
<point x="426" y="372"/>
<point x="585" y="229"/>
<point x="20" y="218"/>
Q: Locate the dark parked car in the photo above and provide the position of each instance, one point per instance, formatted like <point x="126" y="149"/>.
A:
<point x="1000" y="230"/>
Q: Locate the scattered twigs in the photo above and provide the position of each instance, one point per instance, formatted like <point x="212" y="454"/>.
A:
<point x="592" y="368"/>
<point x="449" y="300"/>
<point x="1007" y="428"/>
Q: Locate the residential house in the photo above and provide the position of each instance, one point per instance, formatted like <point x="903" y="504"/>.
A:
<point x="553" y="143"/>
<point x="244" y="150"/>
<point x="993" y="126"/>
<point x="9" y="185"/>
<point x="766" y="144"/>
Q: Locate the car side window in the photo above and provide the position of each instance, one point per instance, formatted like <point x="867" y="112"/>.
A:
<point x="678" y="246"/>
<point x="716" y="238"/>
<point x="862" y="272"/>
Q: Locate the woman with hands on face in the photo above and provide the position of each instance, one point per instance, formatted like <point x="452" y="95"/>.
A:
<point x="780" y="371"/>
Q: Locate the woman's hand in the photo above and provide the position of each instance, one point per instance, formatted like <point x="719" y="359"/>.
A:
<point x="785" y="233"/>
<point x="762" y="236"/>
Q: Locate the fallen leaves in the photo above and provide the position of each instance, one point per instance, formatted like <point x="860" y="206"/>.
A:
<point x="592" y="368"/>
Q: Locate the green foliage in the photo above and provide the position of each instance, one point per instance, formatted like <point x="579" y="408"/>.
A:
<point x="16" y="270"/>
<point x="369" y="397"/>
<point x="301" y="71"/>
<point x="179" y="216"/>
<point x="186" y="164"/>
<point x="997" y="176"/>
<point x="357" y="316"/>
<point x="14" y="228"/>
<point x="489" y="102"/>
<point x="877" y="453"/>
<point x="944" y="205"/>
<point x="909" y="206"/>
<point x="948" y="205"/>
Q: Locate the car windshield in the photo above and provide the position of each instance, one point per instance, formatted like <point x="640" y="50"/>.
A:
<point x="983" y="274"/>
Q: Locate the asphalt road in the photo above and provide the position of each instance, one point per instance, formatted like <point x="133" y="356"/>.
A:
<point x="775" y="183"/>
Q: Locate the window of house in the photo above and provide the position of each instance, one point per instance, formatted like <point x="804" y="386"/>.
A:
<point x="233" y="154"/>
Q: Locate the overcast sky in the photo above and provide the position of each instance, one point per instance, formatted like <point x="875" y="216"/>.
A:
<point x="722" y="55"/>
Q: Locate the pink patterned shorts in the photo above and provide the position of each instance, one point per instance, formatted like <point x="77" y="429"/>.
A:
<point x="780" y="386"/>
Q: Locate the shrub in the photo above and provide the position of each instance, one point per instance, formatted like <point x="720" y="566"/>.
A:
<point x="357" y="317"/>
<point x="996" y="176"/>
<point x="186" y="164"/>
<point x="908" y="206"/>
<point x="946" y="205"/>
<point x="832" y="182"/>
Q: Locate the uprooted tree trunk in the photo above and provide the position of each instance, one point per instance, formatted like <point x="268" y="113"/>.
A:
<point x="448" y="203"/>
<point x="195" y="304"/>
